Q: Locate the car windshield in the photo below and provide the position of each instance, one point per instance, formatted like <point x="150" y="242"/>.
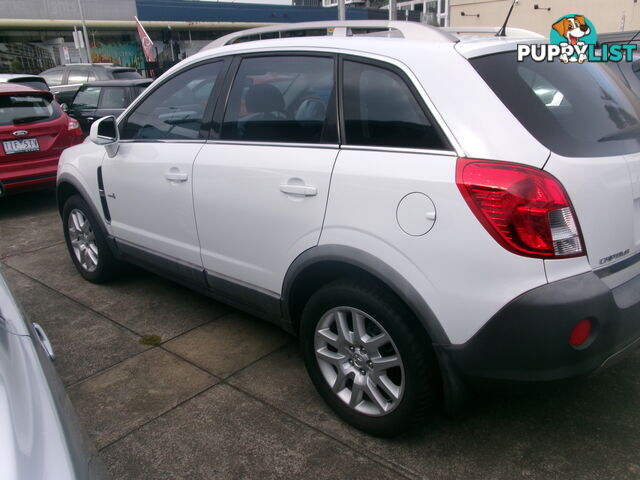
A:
<point x="126" y="74"/>
<point x="18" y="109"/>
<point x="575" y="110"/>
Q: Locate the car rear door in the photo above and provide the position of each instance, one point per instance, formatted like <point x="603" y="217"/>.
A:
<point x="261" y="182"/>
<point x="148" y="183"/>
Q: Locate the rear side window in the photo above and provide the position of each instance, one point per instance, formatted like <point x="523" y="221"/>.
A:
<point x="53" y="78"/>
<point x="77" y="76"/>
<point x="176" y="108"/>
<point x="381" y="110"/>
<point x="23" y="109"/>
<point x="125" y="75"/>
<point x="113" y="97"/>
<point x="281" y="99"/>
<point x="575" y="110"/>
<point x="87" y="98"/>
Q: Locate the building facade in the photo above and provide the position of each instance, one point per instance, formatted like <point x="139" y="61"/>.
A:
<point x="539" y="15"/>
<point x="37" y="34"/>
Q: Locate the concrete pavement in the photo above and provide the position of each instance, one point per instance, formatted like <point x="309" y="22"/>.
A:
<point x="226" y="396"/>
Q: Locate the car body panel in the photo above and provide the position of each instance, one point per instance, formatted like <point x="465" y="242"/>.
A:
<point x="39" y="431"/>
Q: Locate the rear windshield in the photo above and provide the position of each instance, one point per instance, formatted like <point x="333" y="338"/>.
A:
<point x="125" y="74"/>
<point x="575" y="110"/>
<point x="21" y="109"/>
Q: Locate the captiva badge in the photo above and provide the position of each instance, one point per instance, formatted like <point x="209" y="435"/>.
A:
<point x="573" y="38"/>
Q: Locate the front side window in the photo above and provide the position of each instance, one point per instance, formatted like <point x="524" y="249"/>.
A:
<point x="174" y="110"/>
<point x="380" y="110"/>
<point x="114" y="97"/>
<point x="281" y="99"/>
<point x="87" y="98"/>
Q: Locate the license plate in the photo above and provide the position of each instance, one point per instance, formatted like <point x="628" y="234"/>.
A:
<point x="21" y="146"/>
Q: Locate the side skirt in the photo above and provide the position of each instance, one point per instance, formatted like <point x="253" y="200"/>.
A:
<point x="247" y="298"/>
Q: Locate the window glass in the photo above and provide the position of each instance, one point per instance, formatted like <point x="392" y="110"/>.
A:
<point x="35" y="84"/>
<point x="175" y="109"/>
<point x="126" y="74"/>
<point x="87" y="98"/>
<point x="280" y="99"/>
<point x="380" y="110"/>
<point x="575" y="110"/>
<point x="20" y="109"/>
<point x="77" y="76"/>
<point x="113" y="97"/>
<point x="53" y="78"/>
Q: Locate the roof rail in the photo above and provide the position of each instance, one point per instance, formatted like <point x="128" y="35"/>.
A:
<point x="510" y="31"/>
<point x="342" y="28"/>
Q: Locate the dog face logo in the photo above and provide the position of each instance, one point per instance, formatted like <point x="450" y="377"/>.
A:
<point x="572" y="28"/>
<point x="575" y="31"/>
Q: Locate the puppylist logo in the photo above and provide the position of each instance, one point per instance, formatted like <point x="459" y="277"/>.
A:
<point x="573" y="38"/>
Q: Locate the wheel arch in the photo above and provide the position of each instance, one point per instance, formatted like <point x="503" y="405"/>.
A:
<point x="66" y="187"/>
<point x="320" y="265"/>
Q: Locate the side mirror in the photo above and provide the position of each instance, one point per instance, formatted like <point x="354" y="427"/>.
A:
<point x="64" y="107"/>
<point x="105" y="132"/>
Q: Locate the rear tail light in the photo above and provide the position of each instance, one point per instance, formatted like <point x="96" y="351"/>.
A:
<point x="525" y="209"/>
<point x="74" y="127"/>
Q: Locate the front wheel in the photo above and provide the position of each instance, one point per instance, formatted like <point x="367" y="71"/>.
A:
<point x="86" y="243"/>
<point x="368" y="357"/>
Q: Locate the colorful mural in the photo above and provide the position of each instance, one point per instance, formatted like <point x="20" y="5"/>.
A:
<point x="127" y="54"/>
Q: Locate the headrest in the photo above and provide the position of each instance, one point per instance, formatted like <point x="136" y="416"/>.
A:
<point x="264" y="98"/>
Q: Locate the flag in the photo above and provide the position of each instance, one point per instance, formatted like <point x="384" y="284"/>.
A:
<point x="147" y="44"/>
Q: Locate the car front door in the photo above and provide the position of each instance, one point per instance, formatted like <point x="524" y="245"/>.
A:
<point x="148" y="183"/>
<point x="262" y="180"/>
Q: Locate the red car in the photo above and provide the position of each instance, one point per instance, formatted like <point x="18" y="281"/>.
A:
<point x="33" y="133"/>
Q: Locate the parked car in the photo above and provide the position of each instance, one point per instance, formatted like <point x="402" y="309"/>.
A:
<point x="34" y="81"/>
<point x="417" y="227"/>
<point x="103" y="98"/>
<point x="65" y="80"/>
<point x="33" y="133"/>
<point x="40" y="434"/>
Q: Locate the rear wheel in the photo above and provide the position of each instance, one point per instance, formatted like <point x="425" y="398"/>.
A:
<point x="368" y="357"/>
<point x="86" y="243"/>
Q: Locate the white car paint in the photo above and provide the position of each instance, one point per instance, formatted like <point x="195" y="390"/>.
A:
<point x="251" y="232"/>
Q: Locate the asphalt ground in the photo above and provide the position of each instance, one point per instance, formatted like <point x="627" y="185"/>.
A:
<point x="224" y="395"/>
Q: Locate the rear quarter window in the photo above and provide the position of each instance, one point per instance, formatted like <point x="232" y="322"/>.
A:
<point x="575" y="110"/>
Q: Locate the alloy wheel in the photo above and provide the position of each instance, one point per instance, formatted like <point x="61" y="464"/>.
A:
<point x="83" y="240"/>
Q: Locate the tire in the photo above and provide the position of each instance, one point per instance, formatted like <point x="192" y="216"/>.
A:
<point x="87" y="243"/>
<point x="361" y="396"/>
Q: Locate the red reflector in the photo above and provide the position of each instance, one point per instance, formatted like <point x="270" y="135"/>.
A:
<point x="580" y="333"/>
<point x="525" y="209"/>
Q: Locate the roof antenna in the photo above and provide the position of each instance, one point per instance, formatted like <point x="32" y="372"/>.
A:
<point x="503" y="31"/>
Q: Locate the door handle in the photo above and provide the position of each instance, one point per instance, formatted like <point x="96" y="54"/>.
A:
<point x="44" y="340"/>
<point x="306" y="190"/>
<point x="174" y="175"/>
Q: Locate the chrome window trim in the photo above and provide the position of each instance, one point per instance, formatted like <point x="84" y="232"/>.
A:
<point x="446" y="153"/>
<point x="421" y="151"/>
<point x="161" y="140"/>
<point x="276" y="144"/>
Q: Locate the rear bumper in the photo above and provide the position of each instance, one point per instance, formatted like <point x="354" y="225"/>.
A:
<point x="528" y="340"/>
<point x="31" y="182"/>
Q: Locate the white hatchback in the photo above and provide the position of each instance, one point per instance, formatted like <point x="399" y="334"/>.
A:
<point x="420" y="208"/>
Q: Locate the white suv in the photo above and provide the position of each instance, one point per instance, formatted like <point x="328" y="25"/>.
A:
<point x="420" y="209"/>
